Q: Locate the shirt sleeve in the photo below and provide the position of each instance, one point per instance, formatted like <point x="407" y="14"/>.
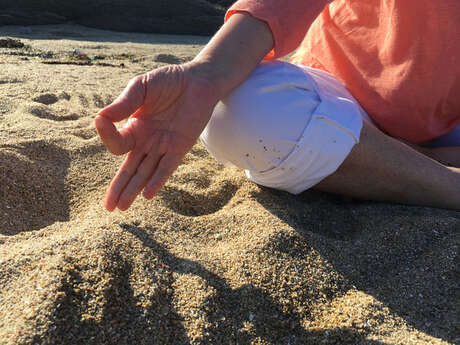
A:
<point x="288" y="20"/>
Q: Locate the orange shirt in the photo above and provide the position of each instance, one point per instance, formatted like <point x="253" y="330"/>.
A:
<point x="399" y="58"/>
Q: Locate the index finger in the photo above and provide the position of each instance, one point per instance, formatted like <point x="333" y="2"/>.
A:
<point x="117" y="141"/>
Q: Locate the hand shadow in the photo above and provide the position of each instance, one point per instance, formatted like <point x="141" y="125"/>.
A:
<point x="230" y="308"/>
<point x="122" y="320"/>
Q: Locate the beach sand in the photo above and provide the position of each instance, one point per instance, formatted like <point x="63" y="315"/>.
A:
<point x="214" y="258"/>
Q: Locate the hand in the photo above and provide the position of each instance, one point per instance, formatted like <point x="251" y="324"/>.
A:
<point x="168" y="109"/>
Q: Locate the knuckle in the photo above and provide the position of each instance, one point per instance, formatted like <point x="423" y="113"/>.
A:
<point x="136" y="79"/>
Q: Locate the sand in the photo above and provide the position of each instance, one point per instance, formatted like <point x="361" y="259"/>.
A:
<point x="214" y="259"/>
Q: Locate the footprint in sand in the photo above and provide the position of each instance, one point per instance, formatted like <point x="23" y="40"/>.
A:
<point x="44" y="112"/>
<point x="50" y="98"/>
<point x="85" y="101"/>
<point x="46" y="98"/>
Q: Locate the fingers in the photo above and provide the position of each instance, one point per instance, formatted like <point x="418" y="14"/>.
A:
<point x="165" y="168"/>
<point x="139" y="171"/>
<point x="124" y="175"/>
<point x="129" y="101"/>
<point x="133" y="176"/>
<point x="117" y="141"/>
<point x="139" y="180"/>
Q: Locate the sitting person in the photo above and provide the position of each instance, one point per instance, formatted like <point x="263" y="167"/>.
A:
<point x="296" y="126"/>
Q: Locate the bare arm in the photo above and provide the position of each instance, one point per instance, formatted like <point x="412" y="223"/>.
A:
<point x="234" y="52"/>
<point x="169" y="107"/>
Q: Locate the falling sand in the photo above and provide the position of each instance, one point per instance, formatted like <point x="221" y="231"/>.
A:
<point x="214" y="258"/>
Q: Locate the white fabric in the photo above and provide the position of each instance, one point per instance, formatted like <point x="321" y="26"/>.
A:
<point x="287" y="126"/>
<point x="263" y="118"/>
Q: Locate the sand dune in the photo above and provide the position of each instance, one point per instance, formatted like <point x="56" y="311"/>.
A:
<point x="214" y="259"/>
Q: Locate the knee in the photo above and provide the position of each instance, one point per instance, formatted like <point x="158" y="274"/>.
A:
<point x="282" y="129"/>
<point x="257" y="125"/>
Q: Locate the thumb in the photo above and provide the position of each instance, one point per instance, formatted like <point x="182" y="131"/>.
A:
<point x="117" y="141"/>
<point x="121" y="141"/>
<point x="129" y="101"/>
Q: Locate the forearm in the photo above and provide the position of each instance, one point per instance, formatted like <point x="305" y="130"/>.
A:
<point x="234" y="52"/>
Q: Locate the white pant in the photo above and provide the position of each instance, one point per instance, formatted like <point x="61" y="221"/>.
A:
<point x="287" y="126"/>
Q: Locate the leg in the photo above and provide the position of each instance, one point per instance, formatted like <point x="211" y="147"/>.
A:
<point x="250" y="128"/>
<point x="445" y="149"/>
<point x="449" y="155"/>
<point x="382" y="168"/>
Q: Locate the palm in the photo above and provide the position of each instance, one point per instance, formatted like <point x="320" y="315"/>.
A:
<point x="167" y="110"/>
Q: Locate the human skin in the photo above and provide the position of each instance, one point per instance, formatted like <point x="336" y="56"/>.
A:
<point x="383" y="168"/>
<point x="448" y="155"/>
<point x="169" y="107"/>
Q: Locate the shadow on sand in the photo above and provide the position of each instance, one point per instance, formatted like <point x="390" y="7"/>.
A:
<point x="33" y="192"/>
<point x="406" y="257"/>
<point x="226" y="312"/>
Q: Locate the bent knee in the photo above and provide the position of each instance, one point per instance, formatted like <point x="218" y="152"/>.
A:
<point x="272" y="127"/>
<point x="259" y="123"/>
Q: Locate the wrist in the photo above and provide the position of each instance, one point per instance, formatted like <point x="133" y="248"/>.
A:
<point x="210" y="73"/>
<point x="204" y="78"/>
<point x="233" y="53"/>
